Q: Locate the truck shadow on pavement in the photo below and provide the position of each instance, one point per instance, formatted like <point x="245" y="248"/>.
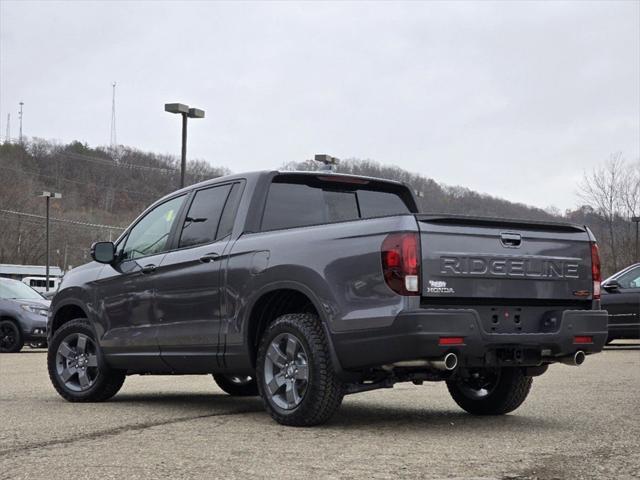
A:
<point x="411" y="418"/>
<point x="191" y="401"/>
<point x="351" y="415"/>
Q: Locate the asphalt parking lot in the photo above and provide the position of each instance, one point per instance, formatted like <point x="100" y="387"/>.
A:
<point x="578" y="423"/>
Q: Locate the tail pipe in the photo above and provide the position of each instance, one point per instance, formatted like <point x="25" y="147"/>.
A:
<point x="447" y="363"/>
<point x="575" y="360"/>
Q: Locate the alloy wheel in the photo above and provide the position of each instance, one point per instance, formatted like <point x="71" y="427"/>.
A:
<point x="286" y="371"/>
<point x="240" y="380"/>
<point x="77" y="362"/>
<point x="480" y="383"/>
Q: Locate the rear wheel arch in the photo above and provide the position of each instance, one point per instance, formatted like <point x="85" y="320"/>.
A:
<point x="273" y="303"/>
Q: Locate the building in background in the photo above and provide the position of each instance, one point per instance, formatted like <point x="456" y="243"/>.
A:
<point x="33" y="275"/>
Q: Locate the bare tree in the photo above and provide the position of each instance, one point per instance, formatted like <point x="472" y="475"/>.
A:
<point x="630" y="190"/>
<point x="601" y="189"/>
<point x="613" y="192"/>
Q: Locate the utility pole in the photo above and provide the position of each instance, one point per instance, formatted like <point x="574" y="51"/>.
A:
<point x="186" y="112"/>
<point x="48" y="196"/>
<point x="112" y="139"/>
<point x="7" y="137"/>
<point x="20" y="117"/>
<point x="637" y="222"/>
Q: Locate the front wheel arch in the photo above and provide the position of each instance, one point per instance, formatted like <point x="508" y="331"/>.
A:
<point x="65" y="314"/>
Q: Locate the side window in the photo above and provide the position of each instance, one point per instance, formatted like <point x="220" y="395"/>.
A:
<point x="230" y="209"/>
<point x="631" y="279"/>
<point x="201" y="223"/>
<point x="151" y="234"/>
<point x="292" y="205"/>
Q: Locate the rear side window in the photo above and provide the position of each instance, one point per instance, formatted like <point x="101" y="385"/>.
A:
<point x="201" y="223"/>
<point x="230" y="209"/>
<point x="309" y="201"/>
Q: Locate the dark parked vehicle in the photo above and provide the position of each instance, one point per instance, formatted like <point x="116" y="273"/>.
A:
<point x="304" y="287"/>
<point x="23" y="316"/>
<point x="621" y="298"/>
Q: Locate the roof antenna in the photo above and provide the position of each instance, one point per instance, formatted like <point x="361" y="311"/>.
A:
<point x="329" y="163"/>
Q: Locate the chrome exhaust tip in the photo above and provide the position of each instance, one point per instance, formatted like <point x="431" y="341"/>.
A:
<point x="450" y="361"/>
<point x="574" y="360"/>
<point x="447" y="363"/>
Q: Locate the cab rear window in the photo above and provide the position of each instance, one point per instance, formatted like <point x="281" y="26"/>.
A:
<point x="297" y="201"/>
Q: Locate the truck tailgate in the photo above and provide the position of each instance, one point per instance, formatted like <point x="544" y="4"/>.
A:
<point x="491" y="260"/>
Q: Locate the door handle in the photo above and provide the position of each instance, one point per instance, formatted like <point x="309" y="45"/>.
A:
<point x="210" y="257"/>
<point x="148" y="268"/>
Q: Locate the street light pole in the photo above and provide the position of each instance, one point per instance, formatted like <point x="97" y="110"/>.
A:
<point x="186" y="112"/>
<point x="48" y="196"/>
<point x="637" y="222"/>
<point x="183" y="154"/>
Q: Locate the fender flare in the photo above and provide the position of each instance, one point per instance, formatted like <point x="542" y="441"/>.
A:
<point x="317" y="304"/>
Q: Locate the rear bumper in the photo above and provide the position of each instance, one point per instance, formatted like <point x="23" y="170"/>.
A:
<point x="416" y="334"/>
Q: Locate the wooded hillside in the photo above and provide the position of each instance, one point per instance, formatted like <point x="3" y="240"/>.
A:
<point x="104" y="190"/>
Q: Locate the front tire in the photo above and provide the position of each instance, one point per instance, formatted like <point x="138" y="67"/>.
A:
<point x="237" y="385"/>
<point x="76" y="367"/>
<point x="495" y="391"/>
<point x="11" y="340"/>
<point x="295" y="375"/>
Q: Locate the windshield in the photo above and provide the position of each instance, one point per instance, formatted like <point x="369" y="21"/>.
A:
<point x="15" y="289"/>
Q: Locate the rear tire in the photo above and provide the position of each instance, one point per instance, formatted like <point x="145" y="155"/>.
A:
<point x="237" y="385"/>
<point x="490" y="391"/>
<point x="11" y="340"/>
<point x="77" y="369"/>
<point x="296" y="379"/>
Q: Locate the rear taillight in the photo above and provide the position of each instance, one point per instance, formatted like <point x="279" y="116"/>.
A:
<point x="401" y="263"/>
<point x="595" y="270"/>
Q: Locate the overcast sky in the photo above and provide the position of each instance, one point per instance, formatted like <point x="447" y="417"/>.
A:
<point x="513" y="99"/>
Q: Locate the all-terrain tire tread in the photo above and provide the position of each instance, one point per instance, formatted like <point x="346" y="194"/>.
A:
<point x="327" y="391"/>
<point x="509" y="395"/>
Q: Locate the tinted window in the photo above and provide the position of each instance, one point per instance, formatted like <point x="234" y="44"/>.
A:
<point x="300" y="204"/>
<point x="201" y="223"/>
<point x="631" y="279"/>
<point x="229" y="214"/>
<point x="377" y="204"/>
<point x="151" y="234"/>
<point x="295" y="205"/>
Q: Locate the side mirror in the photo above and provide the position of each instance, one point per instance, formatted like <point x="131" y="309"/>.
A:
<point x="612" y="286"/>
<point x="103" y="252"/>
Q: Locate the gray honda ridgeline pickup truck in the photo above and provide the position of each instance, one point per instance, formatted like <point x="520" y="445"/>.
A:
<point x="302" y="287"/>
